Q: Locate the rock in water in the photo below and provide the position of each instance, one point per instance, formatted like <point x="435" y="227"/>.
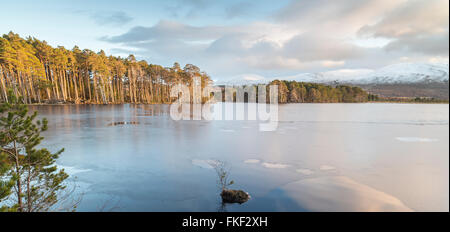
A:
<point x="123" y="123"/>
<point x="234" y="196"/>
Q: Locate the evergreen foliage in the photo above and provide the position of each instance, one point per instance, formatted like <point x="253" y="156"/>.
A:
<point x="40" y="73"/>
<point x="301" y="92"/>
<point x="29" y="178"/>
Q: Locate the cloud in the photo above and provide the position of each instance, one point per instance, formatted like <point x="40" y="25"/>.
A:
<point x="302" y="36"/>
<point x="227" y="44"/>
<point x="306" y="47"/>
<point x="415" y="26"/>
<point x="339" y="18"/>
<point x="436" y="44"/>
<point x="168" y="30"/>
<point x="114" y="18"/>
<point x="412" y="18"/>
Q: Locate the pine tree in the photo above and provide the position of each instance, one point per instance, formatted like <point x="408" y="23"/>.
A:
<point x="37" y="181"/>
<point x="6" y="184"/>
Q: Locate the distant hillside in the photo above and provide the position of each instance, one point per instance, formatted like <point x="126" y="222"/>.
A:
<point x="392" y="74"/>
<point x="432" y="90"/>
<point x="406" y="73"/>
<point x="408" y="80"/>
<point x="399" y="80"/>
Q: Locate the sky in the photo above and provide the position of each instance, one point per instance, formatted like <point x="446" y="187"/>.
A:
<point x="246" y="39"/>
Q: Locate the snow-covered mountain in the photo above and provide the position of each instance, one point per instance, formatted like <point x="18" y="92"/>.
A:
<point x="403" y="73"/>
<point x="406" y="73"/>
<point x="392" y="74"/>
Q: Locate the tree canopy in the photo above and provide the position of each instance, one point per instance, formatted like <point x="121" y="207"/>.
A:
<point x="40" y="73"/>
<point x="301" y="92"/>
<point x="29" y="178"/>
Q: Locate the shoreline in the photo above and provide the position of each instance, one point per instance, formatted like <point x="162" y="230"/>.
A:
<point x="370" y="102"/>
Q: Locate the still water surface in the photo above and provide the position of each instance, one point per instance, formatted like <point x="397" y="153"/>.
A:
<point x="322" y="157"/>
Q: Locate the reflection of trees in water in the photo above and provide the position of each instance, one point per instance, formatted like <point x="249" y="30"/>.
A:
<point x="151" y="110"/>
<point x="222" y="207"/>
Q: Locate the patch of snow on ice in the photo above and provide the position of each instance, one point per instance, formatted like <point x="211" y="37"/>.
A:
<point x="416" y="139"/>
<point x="304" y="171"/>
<point x="252" y="161"/>
<point x="274" y="165"/>
<point x="327" y="168"/>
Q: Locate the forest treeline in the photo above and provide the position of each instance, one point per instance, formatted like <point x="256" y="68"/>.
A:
<point x="40" y="73"/>
<point x="301" y="92"/>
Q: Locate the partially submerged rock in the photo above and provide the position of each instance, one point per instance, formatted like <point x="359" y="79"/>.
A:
<point x="234" y="196"/>
<point x="123" y="123"/>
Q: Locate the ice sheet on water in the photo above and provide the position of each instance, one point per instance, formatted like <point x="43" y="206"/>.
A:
<point x="340" y="193"/>
<point x="416" y="139"/>
<point x="305" y="171"/>
<point x="72" y="170"/>
<point x="208" y="164"/>
<point x="252" y="161"/>
<point x="274" y="165"/>
<point x="327" y="168"/>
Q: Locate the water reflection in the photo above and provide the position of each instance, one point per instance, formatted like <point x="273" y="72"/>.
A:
<point x="347" y="155"/>
<point x="222" y="207"/>
<point x="340" y="193"/>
